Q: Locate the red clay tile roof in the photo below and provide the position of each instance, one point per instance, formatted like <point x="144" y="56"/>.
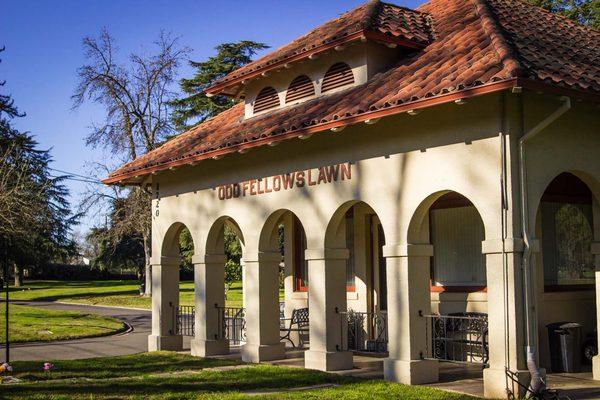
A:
<point x="480" y="46"/>
<point x="385" y="20"/>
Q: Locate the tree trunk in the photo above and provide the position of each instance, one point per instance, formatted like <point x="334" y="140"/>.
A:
<point x="18" y="271"/>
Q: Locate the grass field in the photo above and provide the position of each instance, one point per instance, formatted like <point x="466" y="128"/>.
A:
<point x="110" y="293"/>
<point x="28" y="324"/>
<point x="175" y="376"/>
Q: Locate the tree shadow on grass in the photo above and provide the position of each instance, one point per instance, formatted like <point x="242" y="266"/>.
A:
<point x="243" y="379"/>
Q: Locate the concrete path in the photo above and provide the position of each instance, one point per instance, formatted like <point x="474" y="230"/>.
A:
<point x="134" y="341"/>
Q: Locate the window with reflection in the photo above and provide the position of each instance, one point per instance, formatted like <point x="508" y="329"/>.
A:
<point x="567" y="234"/>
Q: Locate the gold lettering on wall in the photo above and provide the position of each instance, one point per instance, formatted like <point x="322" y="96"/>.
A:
<point x="288" y="181"/>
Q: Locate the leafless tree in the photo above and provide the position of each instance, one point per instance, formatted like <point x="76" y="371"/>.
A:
<point x="135" y="95"/>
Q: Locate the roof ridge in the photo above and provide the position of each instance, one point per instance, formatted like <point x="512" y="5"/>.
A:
<point x="503" y="48"/>
<point x="372" y="10"/>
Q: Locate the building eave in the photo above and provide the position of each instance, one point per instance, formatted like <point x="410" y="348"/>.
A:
<point x="231" y="87"/>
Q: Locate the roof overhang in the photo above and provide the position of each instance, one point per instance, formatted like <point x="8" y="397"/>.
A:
<point x="232" y="87"/>
<point x="138" y="177"/>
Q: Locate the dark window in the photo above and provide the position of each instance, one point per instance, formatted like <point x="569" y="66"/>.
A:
<point x="567" y="235"/>
<point x="350" y="270"/>
<point x="300" y="263"/>
<point x="267" y="98"/>
<point x="300" y="88"/>
<point x="337" y="76"/>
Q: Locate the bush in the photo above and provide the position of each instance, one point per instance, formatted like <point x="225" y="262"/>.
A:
<point x="233" y="271"/>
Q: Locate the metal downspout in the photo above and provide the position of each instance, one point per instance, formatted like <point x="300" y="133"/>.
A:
<point x="537" y="383"/>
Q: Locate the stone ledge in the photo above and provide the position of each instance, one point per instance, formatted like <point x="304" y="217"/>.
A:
<point x="408" y="250"/>
<point x="326" y="254"/>
<point x="166" y="261"/>
<point x="209" y="259"/>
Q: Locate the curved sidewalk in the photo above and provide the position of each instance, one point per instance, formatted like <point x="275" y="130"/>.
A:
<point x="131" y="342"/>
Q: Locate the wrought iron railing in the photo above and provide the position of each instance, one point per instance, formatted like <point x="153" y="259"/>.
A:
<point x="184" y="320"/>
<point x="364" y="331"/>
<point x="458" y="338"/>
<point x="232" y="324"/>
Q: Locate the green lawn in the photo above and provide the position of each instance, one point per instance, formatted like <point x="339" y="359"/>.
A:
<point x="175" y="376"/>
<point x="28" y="324"/>
<point x="111" y="293"/>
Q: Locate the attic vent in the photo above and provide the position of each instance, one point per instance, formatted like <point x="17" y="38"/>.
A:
<point x="337" y="76"/>
<point x="300" y="88"/>
<point x="267" y="98"/>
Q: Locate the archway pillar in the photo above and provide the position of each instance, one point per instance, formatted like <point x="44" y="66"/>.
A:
<point x="165" y="300"/>
<point x="409" y="297"/>
<point x="261" y="300"/>
<point x="596" y="360"/>
<point x="327" y="300"/>
<point x="505" y="322"/>
<point x="209" y="291"/>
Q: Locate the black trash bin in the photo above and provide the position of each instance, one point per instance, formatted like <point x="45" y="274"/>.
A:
<point x="565" y="346"/>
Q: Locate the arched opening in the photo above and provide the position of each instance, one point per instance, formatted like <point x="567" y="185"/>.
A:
<point x="173" y="298"/>
<point x="565" y="226"/>
<point x="566" y="218"/>
<point x="445" y="243"/>
<point x="284" y="234"/>
<point x="225" y="244"/>
<point x="357" y="228"/>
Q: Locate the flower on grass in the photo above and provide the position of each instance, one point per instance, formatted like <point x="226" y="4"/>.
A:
<point x="5" y="368"/>
<point x="48" y="366"/>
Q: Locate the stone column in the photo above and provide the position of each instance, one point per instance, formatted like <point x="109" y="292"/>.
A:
<point x="505" y="316"/>
<point x="209" y="292"/>
<point x="409" y="297"/>
<point x="165" y="300"/>
<point x="326" y="299"/>
<point x="261" y="300"/>
<point x="596" y="253"/>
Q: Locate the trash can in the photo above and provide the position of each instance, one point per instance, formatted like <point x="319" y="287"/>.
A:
<point x="142" y="288"/>
<point x="565" y="346"/>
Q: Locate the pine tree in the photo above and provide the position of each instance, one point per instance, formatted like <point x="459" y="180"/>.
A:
<point x="197" y="107"/>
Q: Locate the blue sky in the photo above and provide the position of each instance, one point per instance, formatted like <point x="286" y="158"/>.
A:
<point x="43" y="52"/>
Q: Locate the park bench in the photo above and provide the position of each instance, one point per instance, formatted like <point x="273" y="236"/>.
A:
<point x="298" y="323"/>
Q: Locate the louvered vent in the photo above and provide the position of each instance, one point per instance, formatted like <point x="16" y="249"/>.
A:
<point x="300" y="88"/>
<point x="266" y="99"/>
<point x="338" y="75"/>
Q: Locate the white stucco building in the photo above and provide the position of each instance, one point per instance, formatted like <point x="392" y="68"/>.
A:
<point x="420" y="163"/>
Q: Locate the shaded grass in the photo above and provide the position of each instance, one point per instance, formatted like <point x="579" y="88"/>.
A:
<point x="109" y="293"/>
<point x="28" y="324"/>
<point x="167" y="375"/>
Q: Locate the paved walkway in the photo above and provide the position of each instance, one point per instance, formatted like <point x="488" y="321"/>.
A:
<point x="134" y="341"/>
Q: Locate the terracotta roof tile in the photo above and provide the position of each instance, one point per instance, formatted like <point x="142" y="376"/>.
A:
<point x="478" y="43"/>
<point x="373" y="16"/>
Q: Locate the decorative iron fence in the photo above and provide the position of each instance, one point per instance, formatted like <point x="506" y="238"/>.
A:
<point x="184" y="320"/>
<point x="364" y="331"/>
<point x="458" y="338"/>
<point x="232" y="323"/>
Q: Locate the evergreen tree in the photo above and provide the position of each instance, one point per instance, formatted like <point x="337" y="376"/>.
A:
<point x="35" y="217"/>
<point x="586" y="12"/>
<point x="197" y="107"/>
